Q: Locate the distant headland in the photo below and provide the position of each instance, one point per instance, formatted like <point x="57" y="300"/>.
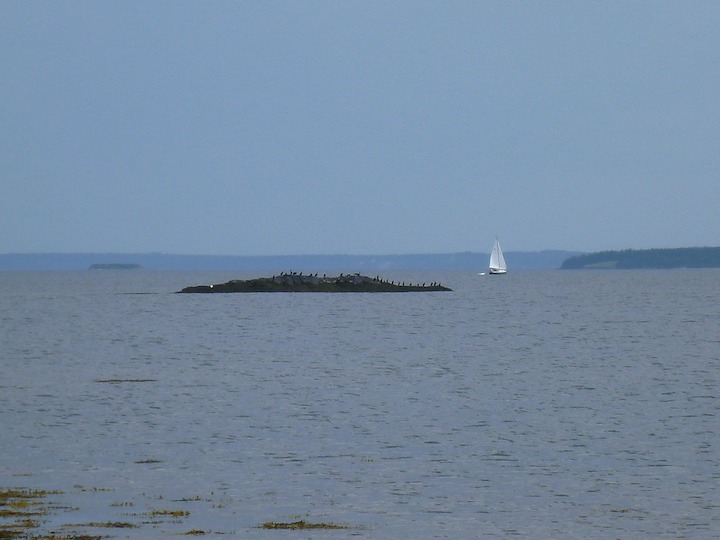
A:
<point x="297" y="282"/>
<point x="695" y="257"/>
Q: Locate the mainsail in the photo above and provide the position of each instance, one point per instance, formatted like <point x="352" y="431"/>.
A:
<point x="497" y="260"/>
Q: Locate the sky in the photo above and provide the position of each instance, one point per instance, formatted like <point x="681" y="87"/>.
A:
<point x="358" y="127"/>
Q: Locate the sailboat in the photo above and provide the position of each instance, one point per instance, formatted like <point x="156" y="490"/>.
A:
<point x="497" y="260"/>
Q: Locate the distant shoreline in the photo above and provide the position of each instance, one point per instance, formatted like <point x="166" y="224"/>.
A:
<point x="474" y="261"/>
<point x="694" y="257"/>
<point x="635" y="259"/>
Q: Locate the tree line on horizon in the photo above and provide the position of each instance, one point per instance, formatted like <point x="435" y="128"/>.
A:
<point x="693" y="257"/>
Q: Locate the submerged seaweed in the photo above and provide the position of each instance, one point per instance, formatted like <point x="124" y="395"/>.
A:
<point x="301" y="525"/>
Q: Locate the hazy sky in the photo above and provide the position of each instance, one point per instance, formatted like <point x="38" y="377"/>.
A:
<point x="358" y="127"/>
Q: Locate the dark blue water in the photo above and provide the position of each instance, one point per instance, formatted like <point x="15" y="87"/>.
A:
<point x="551" y="404"/>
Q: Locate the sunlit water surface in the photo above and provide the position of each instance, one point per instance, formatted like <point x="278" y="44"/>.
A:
<point x="552" y="404"/>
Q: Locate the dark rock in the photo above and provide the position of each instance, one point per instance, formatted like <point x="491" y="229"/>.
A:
<point x="293" y="282"/>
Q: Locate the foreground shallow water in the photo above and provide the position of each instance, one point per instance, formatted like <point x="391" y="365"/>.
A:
<point x="537" y="404"/>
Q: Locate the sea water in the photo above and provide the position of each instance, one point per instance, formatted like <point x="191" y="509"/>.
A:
<point x="539" y="404"/>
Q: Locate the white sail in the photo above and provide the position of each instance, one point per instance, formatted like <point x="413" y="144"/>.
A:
<point x="497" y="260"/>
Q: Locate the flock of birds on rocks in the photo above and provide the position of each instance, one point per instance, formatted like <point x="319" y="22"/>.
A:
<point x="298" y="277"/>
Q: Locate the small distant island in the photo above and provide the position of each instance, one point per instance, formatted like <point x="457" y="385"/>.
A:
<point x="297" y="282"/>
<point x="115" y="266"/>
<point x="696" y="257"/>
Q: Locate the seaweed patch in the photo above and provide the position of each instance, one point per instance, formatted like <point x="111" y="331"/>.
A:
<point x="118" y="381"/>
<point x="19" y="509"/>
<point x="301" y="525"/>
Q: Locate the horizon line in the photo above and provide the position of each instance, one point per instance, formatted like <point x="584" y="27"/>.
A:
<point x="164" y="253"/>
